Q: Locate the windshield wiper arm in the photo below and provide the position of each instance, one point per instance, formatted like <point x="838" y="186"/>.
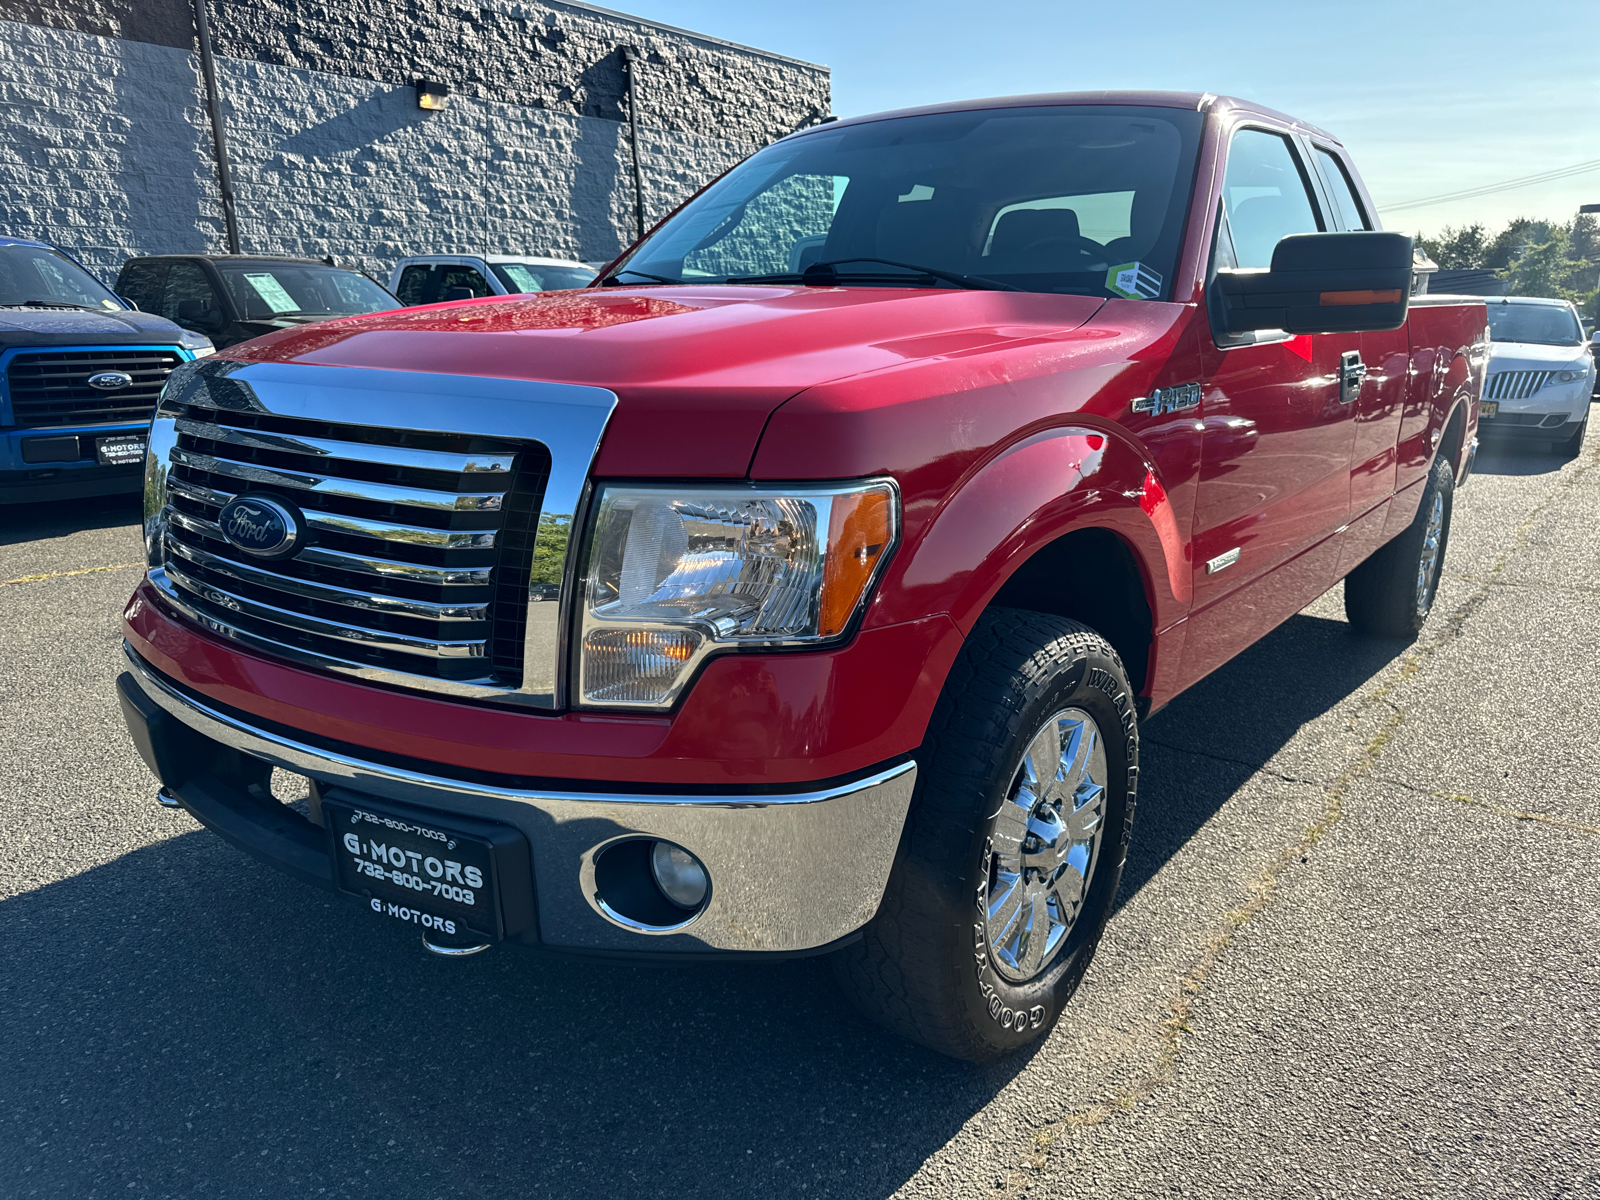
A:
<point x="612" y="278"/>
<point x="54" y="304"/>
<point x="818" y="274"/>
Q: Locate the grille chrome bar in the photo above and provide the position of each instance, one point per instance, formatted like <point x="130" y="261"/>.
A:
<point x="343" y="560"/>
<point x="366" y="452"/>
<point x="1515" y="385"/>
<point x="388" y="531"/>
<point x="371" y="601"/>
<point x="356" y="489"/>
<point x="315" y="625"/>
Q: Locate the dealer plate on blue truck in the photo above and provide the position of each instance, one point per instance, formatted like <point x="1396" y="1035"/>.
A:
<point x="442" y="873"/>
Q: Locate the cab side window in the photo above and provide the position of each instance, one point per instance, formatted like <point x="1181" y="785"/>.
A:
<point x="463" y="277"/>
<point x="1341" y="193"/>
<point x="413" y="286"/>
<point x="1264" y="197"/>
<point x="190" y="300"/>
<point x="143" y="283"/>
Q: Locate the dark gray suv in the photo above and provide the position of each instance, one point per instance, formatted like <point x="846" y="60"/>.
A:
<point x="232" y="298"/>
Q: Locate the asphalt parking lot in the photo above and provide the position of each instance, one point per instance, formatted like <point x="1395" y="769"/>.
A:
<point x="1357" y="951"/>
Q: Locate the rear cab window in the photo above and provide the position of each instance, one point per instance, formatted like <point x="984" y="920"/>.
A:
<point x="1341" y="192"/>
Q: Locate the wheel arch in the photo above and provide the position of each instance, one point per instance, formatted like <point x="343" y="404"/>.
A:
<point x="1072" y="521"/>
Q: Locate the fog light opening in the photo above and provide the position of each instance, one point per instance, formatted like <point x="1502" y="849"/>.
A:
<point x="649" y="886"/>
<point x="679" y="875"/>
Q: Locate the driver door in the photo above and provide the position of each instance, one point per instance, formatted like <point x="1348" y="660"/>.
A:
<point x="1274" y="484"/>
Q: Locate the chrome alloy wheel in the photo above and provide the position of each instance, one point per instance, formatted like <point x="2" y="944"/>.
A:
<point x="1432" y="537"/>
<point x="1044" y="845"/>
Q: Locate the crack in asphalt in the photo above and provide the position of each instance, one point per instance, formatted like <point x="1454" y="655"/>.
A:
<point x="1518" y="814"/>
<point x="1262" y="889"/>
<point x="63" y="574"/>
<point x="1256" y="768"/>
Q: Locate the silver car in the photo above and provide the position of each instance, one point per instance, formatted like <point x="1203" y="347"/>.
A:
<point x="431" y="278"/>
<point x="1541" y="374"/>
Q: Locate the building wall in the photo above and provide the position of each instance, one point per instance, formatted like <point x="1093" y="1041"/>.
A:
<point x="107" y="147"/>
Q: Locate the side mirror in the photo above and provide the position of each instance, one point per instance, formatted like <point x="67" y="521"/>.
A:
<point x="1321" y="283"/>
<point x="191" y="311"/>
<point x="131" y="305"/>
<point x="457" y="293"/>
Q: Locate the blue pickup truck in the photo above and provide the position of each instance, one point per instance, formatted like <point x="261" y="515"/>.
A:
<point x="80" y="370"/>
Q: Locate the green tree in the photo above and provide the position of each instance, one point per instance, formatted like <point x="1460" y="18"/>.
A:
<point x="1461" y="249"/>
<point x="550" y="550"/>
<point x="1546" y="268"/>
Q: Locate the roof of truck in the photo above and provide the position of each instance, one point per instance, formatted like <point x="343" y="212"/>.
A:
<point x="1193" y="101"/>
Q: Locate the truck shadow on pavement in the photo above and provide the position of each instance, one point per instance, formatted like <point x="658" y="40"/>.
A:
<point x="183" y="1021"/>
<point x="29" y="522"/>
<point x="1517" y="458"/>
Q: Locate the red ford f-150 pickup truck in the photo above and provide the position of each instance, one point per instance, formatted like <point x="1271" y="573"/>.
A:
<point x="801" y="585"/>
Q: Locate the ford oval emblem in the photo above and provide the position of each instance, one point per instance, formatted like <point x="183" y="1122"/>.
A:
<point x="259" y="526"/>
<point x="111" y="381"/>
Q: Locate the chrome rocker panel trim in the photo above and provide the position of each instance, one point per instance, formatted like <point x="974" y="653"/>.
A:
<point x="790" y="872"/>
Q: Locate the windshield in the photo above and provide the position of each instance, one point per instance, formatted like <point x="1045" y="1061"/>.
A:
<point x="1087" y="200"/>
<point x="267" y="290"/>
<point x="1542" y="324"/>
<point x="38" y="277"/>
<point x="540" y="277"/>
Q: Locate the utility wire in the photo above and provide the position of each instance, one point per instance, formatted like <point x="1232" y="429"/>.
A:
<point x="1489" y="189"/>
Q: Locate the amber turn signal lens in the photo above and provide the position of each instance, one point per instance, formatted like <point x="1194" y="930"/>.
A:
<point x="1338" y="299"/>
<point x="859" y="532"/>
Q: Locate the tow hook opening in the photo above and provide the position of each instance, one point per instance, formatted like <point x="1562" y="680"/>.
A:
<point x="650" y="886"/>
<point x="448" y="951"/>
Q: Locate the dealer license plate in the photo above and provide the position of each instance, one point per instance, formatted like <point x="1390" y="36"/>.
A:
<point x="121" y="451"/>
<point x="411" y="869"/>
<point x="1488" y="408"/>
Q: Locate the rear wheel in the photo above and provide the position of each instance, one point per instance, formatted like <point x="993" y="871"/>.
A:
<point x="1392" y="593"/>
<point x="1014" y="847"/>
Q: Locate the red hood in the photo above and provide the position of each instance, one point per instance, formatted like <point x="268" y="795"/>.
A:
<point x="697" y="370"/>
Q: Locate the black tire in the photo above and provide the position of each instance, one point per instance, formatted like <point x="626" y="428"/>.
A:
<point x="1572" y="446"/>
<point x="924" y="967"/>
<point x="1391" y="594"/>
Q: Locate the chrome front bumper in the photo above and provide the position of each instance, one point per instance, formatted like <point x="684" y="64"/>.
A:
<point x="789" y="872"/>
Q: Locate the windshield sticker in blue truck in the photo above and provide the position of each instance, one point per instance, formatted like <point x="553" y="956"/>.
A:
<point x="1134" y="280"/>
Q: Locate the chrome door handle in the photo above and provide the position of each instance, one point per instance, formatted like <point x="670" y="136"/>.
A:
<point x="1352" y="374"/>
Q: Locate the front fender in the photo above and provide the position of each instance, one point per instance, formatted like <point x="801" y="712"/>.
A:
<point x="1027" y="496"/>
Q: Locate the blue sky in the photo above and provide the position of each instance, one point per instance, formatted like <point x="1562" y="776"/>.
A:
<point x="1430" y="97"/>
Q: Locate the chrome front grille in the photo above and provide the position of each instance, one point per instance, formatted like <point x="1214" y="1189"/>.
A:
<point x="404" y="568"/>
<point x="433" y="519"/>
<point x="51" y="387"/>
<point x="1514" y="385"/>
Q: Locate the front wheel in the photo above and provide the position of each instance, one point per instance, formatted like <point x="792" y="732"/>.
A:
<point x="1014" y="846"/>
<point x="1392" y="593"/>
<point x="1572" y="446"/>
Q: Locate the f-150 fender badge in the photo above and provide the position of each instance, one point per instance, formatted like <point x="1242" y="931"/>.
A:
<point x="1172" y="399"/>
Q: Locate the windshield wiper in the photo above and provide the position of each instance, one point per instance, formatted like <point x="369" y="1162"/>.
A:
<point x="612" y="278"/>
<point x="822" y="274"/>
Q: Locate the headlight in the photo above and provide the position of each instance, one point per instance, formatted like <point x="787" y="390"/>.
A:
<point x="197" y="344"/>
<point x="674" y="574"/>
